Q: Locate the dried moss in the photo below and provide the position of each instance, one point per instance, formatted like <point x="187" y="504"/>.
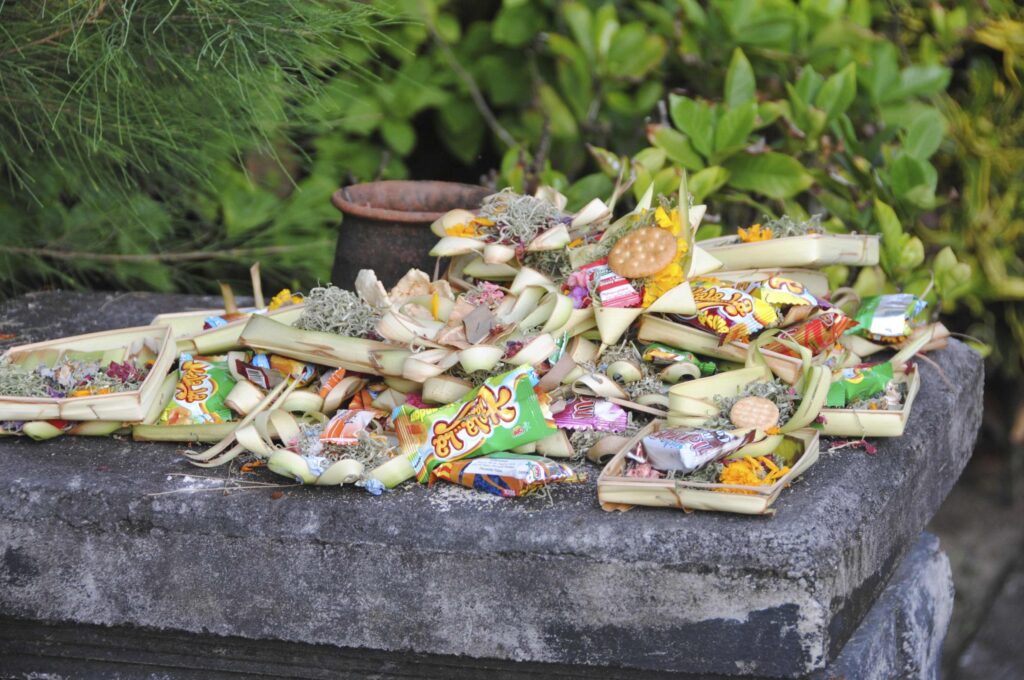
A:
<point x="776" y="391"/>
<point x="334" y="310"/>
<point x="518" y="219"/>
<point x="787" y="226"/>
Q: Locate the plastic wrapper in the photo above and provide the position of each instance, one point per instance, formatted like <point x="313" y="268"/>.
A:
<point x="729" y="312"/>
<point x="503" y="413"/>
<point x="662" y="355"/>
<point x="887" y="318"/>
<point x="587" y="413"/>
<point x="203" y="384"/>
<point x="344" y="427"/>
<point x="686" y="450"/>
<point x="266" y="371"/>
<point x="859" y="383"/>
<point x="779" y="291"/>
<point x="817" y="334"/>
<point x="506" y="474"/>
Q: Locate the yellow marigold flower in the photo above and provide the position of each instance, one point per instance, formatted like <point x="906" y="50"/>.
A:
<point x="462" y="229"/>
<point x="662" y="282"/>
<point x="755" y="233"/>
<point x="761" y="471"/>
<point x="283" y="298"/>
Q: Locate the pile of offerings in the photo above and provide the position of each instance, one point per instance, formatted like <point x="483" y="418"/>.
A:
<point x="698" y="374"/>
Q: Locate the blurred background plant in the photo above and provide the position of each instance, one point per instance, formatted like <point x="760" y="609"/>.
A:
<point x="895" y="117"/>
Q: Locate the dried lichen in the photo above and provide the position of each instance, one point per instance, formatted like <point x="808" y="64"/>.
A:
<point x="583" y="440"/>
<point x="776" y="391"/>
<point x="553" y="263"/>
<point x="67" y="377"/>
<point x="518" y="219"/>
<point x="334" y="310"/>
<point x="370" y="449"/>
<point x="787" y="226"/>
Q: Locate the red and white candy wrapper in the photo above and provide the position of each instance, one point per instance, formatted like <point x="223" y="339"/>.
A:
<point x="586" y="413"/>
<point x="616" y="291"/>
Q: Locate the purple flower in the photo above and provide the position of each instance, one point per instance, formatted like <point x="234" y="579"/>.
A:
<point x="580" y="297"/>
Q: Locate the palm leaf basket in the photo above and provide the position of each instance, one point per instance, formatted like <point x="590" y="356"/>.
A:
<point x="860" y="423"/>
<point x="812" y="250"/>
<point x="190" y="336"/>
<point x="618" y="492"/>
<point x="660" y="329"/>
<point x="153" y="343"/>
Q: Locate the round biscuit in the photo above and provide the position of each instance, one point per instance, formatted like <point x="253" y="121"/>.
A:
<point x="643" y="252"/>
<point x="754" y="412"/>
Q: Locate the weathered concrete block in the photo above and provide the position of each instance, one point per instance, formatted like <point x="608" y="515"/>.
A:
<point x="444" y="571"/>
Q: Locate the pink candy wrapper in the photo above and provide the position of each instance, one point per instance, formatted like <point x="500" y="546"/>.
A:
<point x="585" y="413"/>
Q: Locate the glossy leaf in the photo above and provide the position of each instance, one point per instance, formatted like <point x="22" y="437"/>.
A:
<point x="772" y="174"/>
<point x="739" y="80"/>
<point x="695" y="119"/>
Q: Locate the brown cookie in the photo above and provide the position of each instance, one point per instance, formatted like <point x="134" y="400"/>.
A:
<point x="754" y="412"/>
<point x="643" y="253"/>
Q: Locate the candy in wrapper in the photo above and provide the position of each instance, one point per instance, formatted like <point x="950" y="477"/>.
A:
<point x="779" y="291"/>
<point x="817" y="334"/>
<point x="345" y="426"/>
<point x="858" y="383"/>
<point x="729" y="312"/>
<point x="203" y="385"/>
<point x="687" y="450"/>
<point x="503" y="413"/>
<point x="587" y="413"/>
<point x="887" y="318"/>
<point x="268" y="370"/>
<point x="662" y="355"/>
<point x="507" y="475"/>
<point x="616" y="291"/>
<point x="328" y="381"/>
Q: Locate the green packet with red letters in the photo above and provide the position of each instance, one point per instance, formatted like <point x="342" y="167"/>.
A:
<point x="861" y="382"/>
<point x="502" y="414"/>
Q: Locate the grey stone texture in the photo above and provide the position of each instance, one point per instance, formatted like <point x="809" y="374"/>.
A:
<point x="116" y="533"/>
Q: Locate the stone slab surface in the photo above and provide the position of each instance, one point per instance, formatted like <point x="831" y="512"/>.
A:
<point x="118" y="533"/>
<point x="899" y="638"/>
<point x="995" y="653"/>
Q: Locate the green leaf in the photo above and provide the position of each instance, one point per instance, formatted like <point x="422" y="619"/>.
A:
<point x="772" y="174"/>
<point x="651" y="158"/>
<point x="666" y="181"/>
<point x="708" y="181"/>
<point x="606" y="24"/>
<point x="808" y="84"/>
<point x="610" y="163"/>
<point x="913" y="180"/>
<point x="245" y="206"/>
<point x="881" y="74"/>
<point x="586" y="188"/>
<point x="923" y="80"/>
<point x="695" y="119"/>
<point x="634" y="51"/>
<point x="676" y="145"/>
<point x="733" y="128"/>
<point x="399" y="135"/>
<point x="580" y="23"/>
<point x="739" y="80"/>
<point x="836" y="95"/>
<point x="515" y="26"/>
<point x="563" y="124"/>
<point x="925" y="135"/>
<point x="893" y="238"/>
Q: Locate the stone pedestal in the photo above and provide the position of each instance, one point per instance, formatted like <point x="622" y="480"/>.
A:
<point x="109" y="532"/>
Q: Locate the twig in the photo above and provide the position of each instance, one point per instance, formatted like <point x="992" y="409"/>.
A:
<point x="186" y="256"/>
<point x="474" y="90"/>
<point x="225" y="487"/>
<point x="61" y="32"/>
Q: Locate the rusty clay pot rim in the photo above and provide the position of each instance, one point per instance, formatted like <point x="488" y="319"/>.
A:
<point x="347" y="207"/>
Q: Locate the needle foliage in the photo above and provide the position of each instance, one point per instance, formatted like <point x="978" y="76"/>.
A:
<point x="120" y="120"/>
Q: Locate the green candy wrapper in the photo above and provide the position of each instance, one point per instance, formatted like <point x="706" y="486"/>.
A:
<point x="858" y="383"/>
<point x="203" y="385"/>
<point x="887" y="318"/>
<point x="503" y="413"/>
<point x="662" y="355"/>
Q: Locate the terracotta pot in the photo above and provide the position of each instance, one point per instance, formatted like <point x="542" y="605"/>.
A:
<point x="387" y="225"/>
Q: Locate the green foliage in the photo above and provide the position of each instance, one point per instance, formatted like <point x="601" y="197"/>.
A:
<point x="124" y="125"/>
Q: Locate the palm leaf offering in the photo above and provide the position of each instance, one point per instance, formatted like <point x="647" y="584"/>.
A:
<point x="552" y="339"/>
